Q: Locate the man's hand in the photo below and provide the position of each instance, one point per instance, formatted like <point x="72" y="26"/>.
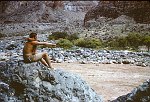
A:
<point x="50" y="45"/>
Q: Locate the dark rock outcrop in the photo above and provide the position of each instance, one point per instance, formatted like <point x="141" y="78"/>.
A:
<point x="35" y="83"/>
<point x="139" y="10"/>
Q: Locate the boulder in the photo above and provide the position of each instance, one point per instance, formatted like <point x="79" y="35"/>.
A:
<point x="138" y="94"/>
<point x="34" y="82"/>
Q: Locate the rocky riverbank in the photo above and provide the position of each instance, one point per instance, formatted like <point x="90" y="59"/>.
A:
<point x="11" y="48"/>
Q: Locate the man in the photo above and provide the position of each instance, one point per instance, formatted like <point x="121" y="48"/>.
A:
<point x="29" y="51"/>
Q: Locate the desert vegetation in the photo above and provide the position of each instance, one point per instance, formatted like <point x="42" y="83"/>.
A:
<point x="131" y="41"/>
<point x="67" y="41"/>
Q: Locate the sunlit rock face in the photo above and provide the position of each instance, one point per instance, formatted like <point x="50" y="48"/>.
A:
<point x="81" y="6"/>
<point x="39" y="11"/>
<point x="25" y="16"/>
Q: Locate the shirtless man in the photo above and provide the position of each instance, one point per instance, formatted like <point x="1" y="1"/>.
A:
<point x="29" y="51"/>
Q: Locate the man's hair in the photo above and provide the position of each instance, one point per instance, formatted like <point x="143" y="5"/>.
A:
<point x="32" y="35"/>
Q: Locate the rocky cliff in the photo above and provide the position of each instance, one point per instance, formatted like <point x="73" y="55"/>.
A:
<point x="40" y="11"/>
<point x="139" y="10"/>
<point x="104" y="19"/>
<point x="20" y="17"/>
<point x="44" y="11"/>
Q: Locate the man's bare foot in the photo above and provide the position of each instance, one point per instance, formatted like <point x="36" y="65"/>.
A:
<point x="51" y="68"/>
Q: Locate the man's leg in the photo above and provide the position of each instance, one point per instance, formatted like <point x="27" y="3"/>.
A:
<point x="44" y="62"/>
<point x="44" y="58"/>
<point x="47" y="59"/>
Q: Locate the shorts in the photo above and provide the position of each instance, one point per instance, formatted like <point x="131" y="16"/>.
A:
<point x="34" y="58"/>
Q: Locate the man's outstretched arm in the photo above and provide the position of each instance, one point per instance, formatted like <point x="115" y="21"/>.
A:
<point x="43" y="43"/>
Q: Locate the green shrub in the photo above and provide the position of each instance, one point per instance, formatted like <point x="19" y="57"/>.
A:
<point x="93" y="43"/>
<point x="119" y="43"/>
<point x="122" y="42"/>
<point x="134" y="39"/>
<point x="147" y="42"/>
<point x="2" y="35"/>
<point x="63" y="35"/>
<point x="80" y="42"/>
<point x="88" y="42"/>
<point x="73" y="37"/>
<point x="65" y="43"/>
<point x="58" y="35"/>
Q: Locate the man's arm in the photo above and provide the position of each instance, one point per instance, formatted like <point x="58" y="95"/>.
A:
<point x="43" y="43"/>
<point x="50" y="44"/>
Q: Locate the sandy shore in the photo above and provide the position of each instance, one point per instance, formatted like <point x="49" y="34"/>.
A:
<point x="108" y="80"/>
